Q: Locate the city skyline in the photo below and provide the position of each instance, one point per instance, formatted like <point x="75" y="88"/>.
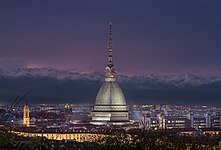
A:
<point x="110" y="74"/>
<point x="149" y="37"/>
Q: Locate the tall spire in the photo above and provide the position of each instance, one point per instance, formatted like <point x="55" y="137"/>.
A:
<point x="110" y="69"/>
<point x="110" y="59"/>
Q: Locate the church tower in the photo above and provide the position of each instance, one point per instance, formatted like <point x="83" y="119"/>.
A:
<point x="26" y="117"/>
<point x="110" y="106"/>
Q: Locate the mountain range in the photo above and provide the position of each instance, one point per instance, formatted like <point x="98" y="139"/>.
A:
<point x="48" y="85"/>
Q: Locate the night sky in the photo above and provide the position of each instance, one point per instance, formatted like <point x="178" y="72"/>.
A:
<point x="149" y="36"/>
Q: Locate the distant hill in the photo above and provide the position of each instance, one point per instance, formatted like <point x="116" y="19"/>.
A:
<point x="59" y="86"/>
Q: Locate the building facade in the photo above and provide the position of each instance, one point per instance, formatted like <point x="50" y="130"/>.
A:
<point x="171" y="122"/>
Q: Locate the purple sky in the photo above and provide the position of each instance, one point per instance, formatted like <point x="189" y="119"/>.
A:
<point x="149" y="36"/>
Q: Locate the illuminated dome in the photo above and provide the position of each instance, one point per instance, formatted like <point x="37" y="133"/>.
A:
<point x="110" y="94"/>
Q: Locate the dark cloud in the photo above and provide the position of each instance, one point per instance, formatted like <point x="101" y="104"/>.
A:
<point x="149" y="36"/>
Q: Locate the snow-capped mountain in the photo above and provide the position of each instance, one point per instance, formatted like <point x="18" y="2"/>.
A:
<point x="52" y="85"/>
<point x="187" y="80"/>
<point x="50" y="73"/>
<point x="194" y="80"/>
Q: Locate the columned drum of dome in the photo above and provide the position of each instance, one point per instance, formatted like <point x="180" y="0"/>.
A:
<point x="110" y="106"/>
